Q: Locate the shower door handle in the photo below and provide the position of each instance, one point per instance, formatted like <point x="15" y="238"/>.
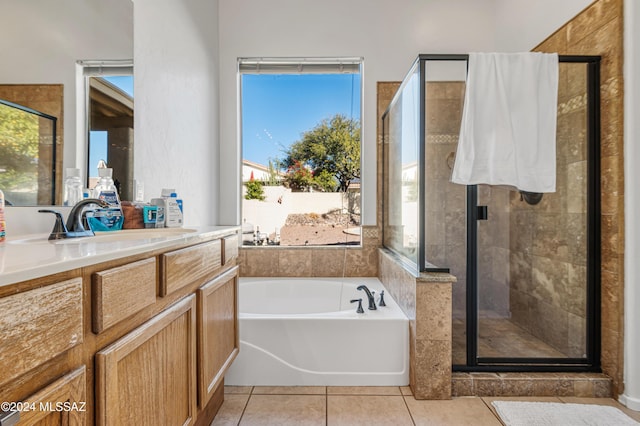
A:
<point x="482" y="213"/>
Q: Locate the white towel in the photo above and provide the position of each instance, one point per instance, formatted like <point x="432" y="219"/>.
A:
<point x="508" y="130"/>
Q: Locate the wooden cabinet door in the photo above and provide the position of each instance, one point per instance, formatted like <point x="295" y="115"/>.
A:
<point x="62" y="403"/>
<point x="38" y="325"/>
<point x="217" y="331"/>
<point x="148" y="377"/>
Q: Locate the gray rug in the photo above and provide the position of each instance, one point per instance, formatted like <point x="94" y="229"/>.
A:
<point x="520" y="413"/>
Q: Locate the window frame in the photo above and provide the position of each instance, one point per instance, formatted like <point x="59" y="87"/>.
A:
<point x="299" y="65"/>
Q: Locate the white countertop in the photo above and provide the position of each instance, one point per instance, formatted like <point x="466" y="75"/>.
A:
<point x="32" y="256"/>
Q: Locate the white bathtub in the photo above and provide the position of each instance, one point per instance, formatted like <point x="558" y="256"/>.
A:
<point x="304" y="331"/>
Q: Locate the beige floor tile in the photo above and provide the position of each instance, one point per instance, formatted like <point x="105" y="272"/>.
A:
<point x="406" y="390"/>
<point x="489" y="399"/>
<point x="354" y="410"/>
<point x="363" y="390"/>
<point x="289" y="390"/>
<point x="602" y="401"/>
<point x="231" y="410"/>
<point x="458" y="411"/>
<point x="285" y="410"/>
<point x="237" y="389"/>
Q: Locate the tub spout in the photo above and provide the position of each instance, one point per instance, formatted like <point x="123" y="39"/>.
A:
<point x="372" y="302"/>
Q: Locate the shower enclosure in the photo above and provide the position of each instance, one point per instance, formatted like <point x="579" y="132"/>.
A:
<point x="527" y="265"/>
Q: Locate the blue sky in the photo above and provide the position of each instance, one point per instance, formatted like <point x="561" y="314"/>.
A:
<point x="278" y="108"/>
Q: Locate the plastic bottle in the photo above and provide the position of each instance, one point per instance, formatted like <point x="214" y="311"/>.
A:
<point x="3" y="234"/>
<point x="72" y="187"/>
<point x="173" y="210"/>
<point x="110" y="218"/>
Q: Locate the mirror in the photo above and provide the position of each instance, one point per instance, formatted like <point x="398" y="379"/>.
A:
<point x="29" y="143"/>
<point x="46" y="55"/>
<point x="110" y="126"/>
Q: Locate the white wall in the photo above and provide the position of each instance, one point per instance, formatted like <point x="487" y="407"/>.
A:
<point x="523" y="24"/>
<point x="176" y="91"/>
<point x="388" y="34"/>
<point x="631" y="396"/>
<point x="41" y="40"/>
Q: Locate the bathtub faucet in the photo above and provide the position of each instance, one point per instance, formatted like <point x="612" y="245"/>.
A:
<point x="372" y="302"/>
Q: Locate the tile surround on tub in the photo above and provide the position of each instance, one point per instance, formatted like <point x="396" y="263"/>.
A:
<point x="348" y="261"/>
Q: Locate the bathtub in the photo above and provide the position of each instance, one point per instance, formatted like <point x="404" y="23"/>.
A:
<point x="304" y="331"/>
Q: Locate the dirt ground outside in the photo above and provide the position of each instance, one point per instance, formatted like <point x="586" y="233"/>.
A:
<point x="311" y="229"/>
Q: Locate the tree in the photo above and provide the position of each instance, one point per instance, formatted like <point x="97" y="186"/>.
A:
<point x="254" y="190"/>
<point x="19" y="139"/>
<point x="298" y="177"/>
<point x="331" y="148"/>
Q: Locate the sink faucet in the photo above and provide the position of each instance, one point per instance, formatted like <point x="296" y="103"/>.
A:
<point x="372" y="302"/>
<point x="74" y="222"/>
<point x="74" y="227"/>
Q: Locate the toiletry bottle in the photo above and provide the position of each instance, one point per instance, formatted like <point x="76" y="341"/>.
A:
<point x="172" y="211"/>
<point x="178" y="214"/>
<point x="72" y="187"/>
<point x="3" y="234"/>
<point x="110" y="218"/>
<point x="160" y="213"/>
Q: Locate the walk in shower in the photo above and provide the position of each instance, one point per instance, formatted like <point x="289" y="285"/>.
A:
<point x="527" y="265"/>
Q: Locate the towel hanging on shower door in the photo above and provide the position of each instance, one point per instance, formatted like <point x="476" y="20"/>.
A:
<point x="508" y="130"/>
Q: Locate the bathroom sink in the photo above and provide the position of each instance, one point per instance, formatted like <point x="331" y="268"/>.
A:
<point x="127" y="235"/>
<point x="110" y="236"/>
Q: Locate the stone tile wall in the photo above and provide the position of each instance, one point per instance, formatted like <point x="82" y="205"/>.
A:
<point x="598" y="31"/>
<point x="426" y="300"/>
<point x="548" y="248"/>
<point x="348" y="261"/>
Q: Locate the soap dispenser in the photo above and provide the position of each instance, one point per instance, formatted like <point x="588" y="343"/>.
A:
<point x="110" y="218"/>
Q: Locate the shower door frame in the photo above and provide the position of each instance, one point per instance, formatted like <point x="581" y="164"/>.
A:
<point x="591" y="362"/>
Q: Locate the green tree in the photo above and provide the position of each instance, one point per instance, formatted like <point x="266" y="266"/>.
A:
<point x="19" y="139"/>
<point x="331" y="148"/>
<point x="254" y="190"/>
<point x="273" y="178"/>
<point x="298" y="177"/>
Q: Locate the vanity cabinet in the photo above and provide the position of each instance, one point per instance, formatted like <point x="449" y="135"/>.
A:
<point x="62" y="403"/>
<point x="189" y="265"/>
<point x="121" y="292"/>
<point x="149" y="375"/>
<point x="39" y="325"/>
<point x="139" y="339"/>
<point x="218" y="341"/>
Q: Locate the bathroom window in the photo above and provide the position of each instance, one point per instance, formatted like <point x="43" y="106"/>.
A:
<point x="301" y="163"/>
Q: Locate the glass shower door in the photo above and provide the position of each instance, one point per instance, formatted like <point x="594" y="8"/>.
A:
<point x="533" y="253"/>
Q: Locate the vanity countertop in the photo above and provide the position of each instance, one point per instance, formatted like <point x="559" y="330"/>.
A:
<point x="32" y="256"/>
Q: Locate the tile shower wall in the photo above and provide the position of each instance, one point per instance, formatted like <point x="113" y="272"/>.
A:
<point x="548" y="263"/>
<point x="598" y="31"/>
<point x="445" y="201"/>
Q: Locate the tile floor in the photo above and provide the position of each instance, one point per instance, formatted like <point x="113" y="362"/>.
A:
<point x="352" y="406"/>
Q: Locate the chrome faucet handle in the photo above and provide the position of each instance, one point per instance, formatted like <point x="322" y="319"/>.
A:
<point x="359" y="310"/>
<point x="381" y="302"/>
<point x="59" y="229"/>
